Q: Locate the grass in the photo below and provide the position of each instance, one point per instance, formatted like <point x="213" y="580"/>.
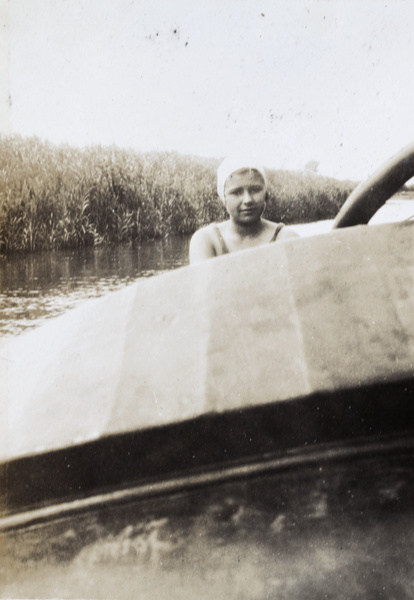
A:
<point x="54" y="197"/>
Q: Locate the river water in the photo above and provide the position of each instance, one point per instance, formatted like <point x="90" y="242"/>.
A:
<point x="36" y="287"/>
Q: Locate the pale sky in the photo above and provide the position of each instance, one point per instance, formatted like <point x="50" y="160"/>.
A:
<point x="291" y="80"/>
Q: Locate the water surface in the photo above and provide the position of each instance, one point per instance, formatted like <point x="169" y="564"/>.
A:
<point x="36" y="287"/>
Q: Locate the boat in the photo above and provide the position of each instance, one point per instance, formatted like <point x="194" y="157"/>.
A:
<point x="240" y="428"/>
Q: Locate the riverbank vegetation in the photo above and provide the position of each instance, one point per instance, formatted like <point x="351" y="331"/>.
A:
<point x="54" y="197"/>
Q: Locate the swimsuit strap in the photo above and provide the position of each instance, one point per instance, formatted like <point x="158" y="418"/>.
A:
<point x="223" y="246"/>
<point x="278" y="229"/>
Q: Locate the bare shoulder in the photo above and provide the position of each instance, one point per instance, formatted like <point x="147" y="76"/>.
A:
<point x="202" y="245"/>
<point x="286" y="233"/>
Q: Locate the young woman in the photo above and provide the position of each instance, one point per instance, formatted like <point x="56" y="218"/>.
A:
<point x="241" y="184"/>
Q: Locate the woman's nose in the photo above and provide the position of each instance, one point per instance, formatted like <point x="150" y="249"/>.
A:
<point x="247" y="197"/>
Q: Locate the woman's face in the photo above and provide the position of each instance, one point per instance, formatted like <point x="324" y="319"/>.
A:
<point x="245" y="196"/>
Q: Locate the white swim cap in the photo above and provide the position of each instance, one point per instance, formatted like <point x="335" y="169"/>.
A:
<point x="232" y="164"/>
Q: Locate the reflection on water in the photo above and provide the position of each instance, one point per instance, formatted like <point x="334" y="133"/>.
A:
<point x="36" y="287"/>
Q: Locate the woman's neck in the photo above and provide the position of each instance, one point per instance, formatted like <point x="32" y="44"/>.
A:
<point x="246" y="229"/>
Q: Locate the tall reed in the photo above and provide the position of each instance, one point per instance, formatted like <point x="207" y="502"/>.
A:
<point x="55" y="197"/>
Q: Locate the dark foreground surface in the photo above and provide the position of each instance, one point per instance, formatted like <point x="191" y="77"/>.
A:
<point x="337" y="528"/>
<point x="305" y="500"/>
<point x="308" y="500"/>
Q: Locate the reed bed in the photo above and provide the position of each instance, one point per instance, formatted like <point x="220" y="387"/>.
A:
<point x="54" y="197"/>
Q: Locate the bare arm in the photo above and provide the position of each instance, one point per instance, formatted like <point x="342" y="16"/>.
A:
<point x="201" y="246"/>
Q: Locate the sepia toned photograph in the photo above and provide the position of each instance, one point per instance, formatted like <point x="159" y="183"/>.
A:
<point x="206" y="299"/>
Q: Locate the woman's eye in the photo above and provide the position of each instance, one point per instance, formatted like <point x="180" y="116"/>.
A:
<point x="255" y="190"/>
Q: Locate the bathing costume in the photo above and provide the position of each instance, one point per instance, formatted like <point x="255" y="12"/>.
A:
<point x="223" y="246"/>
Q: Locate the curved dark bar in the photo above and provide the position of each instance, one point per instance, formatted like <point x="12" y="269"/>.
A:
<point x="211" y="443"/>
<point x="371" y="194"/>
